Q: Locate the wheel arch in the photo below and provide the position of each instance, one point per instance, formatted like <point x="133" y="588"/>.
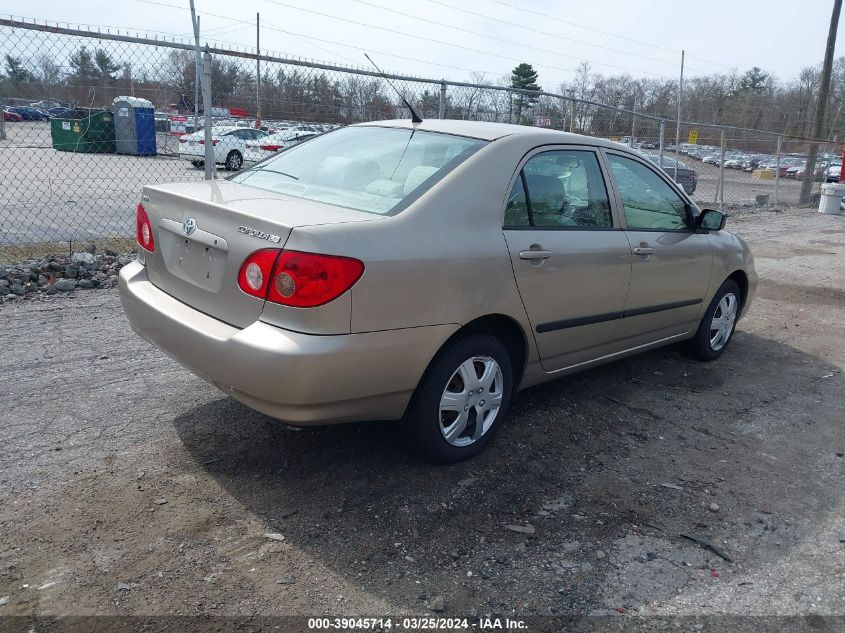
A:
<point x="741" y="279"/>
<point x="504" y="328"/>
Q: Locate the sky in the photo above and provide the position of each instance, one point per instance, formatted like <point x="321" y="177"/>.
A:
<point x="453" y="38"/>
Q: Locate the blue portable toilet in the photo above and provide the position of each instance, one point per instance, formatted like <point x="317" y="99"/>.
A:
<point x="134" y="126"/>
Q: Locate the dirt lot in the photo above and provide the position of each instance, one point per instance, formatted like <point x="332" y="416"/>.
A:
<point x="130" y="487"/>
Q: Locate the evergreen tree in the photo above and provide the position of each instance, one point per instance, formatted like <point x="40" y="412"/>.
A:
<point x="524" y="77"/>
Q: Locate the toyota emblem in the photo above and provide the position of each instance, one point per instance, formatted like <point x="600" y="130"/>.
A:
<point x="189" y="226"/>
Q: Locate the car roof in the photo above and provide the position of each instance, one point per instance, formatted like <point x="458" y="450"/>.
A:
<point x="489" y="131"/>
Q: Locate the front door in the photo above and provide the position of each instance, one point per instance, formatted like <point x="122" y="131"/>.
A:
<point x="670" y="269"/>
<point x="571" y="259"/>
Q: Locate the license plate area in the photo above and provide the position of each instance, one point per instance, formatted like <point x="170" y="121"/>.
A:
<point x="199" y="259"/>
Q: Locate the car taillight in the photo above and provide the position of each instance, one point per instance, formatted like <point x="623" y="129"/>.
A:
<point x="183" y="140"/>
<point x="271" y="148"/>
<point x="307" y="280"/>
<point x="143" y="229"/>
<point x="293" y="278"/>
<point x="256" y="272"/>
<point x="213" y="141"/>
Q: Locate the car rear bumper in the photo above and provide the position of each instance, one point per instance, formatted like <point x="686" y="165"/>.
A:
<point x="300" y="378"/>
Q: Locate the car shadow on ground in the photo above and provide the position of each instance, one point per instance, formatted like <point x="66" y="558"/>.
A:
<point x="579" y="466"/>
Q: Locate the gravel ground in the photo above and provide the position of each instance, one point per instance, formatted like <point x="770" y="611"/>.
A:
<point x="130" y="487"/>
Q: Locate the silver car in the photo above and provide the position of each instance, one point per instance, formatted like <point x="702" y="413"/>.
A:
<point x="424" y="272"/>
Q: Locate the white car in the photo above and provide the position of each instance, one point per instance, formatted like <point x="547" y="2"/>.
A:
<point x="269" y="145"/>
<point x="229" y="145"/>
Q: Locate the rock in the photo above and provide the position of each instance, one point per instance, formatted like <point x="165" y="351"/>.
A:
<point x="71" y="271"/>
<point x="18" y="290"/>
<point x="10" y="296"/>
<point x="4" y="274"/>
<point x="285" y="580"/>
<point x="123" y="261"/>
<point x="672" y="486"/>
<point x="90" y="248"/>
<point x="714" y="507"/>
<point x="87" y="284"/>
<point x="87" y="258"/>
<point x="110" y="253"/>
<point x="42" y="280"/>
<point x="274" y="536"/>
<point x="4" y="283"/>
<point x="600" y="554"/>
<point x="4" y="600"/>
<point x="65" y="285"/>
<point x="56" y="267"/>
<point x="122" y="586"/>
<point x="437" y="603"/>
<point x="50" y="289"/>
<point x="524" y="529"/>
<point x="160" y="502"/>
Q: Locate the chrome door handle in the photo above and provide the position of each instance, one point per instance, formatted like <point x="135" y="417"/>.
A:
<point x="643" y="250"/>
<point x="531" y="255"/>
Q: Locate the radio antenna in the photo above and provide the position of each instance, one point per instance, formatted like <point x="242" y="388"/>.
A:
<point x="415" y="118"/>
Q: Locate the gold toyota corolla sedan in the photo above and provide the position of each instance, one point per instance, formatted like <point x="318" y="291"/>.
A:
<point x="423" y="272"/>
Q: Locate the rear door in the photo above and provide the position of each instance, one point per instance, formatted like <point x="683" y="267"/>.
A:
<point x="670" y="269"/>
<point x="570" y="257"/>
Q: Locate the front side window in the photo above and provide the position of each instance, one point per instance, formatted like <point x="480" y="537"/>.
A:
<point x="649" y="202"/>
<point x="565" y="189"/>
<point x="372" y="169"/>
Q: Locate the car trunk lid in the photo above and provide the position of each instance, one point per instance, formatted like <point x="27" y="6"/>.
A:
<point x="204" y="231"/>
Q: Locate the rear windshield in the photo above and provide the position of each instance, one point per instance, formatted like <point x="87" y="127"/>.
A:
<point x="372" y="169"/>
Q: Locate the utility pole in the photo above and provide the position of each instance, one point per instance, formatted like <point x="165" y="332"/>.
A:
<point x="678" y="122"/>
<point x="257" y="71"/>
<point x="821" y="105"/>
<point x="195" y="22"/>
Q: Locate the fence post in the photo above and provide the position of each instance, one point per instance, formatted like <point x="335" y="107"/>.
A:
<point x="777" y="171"/>
<point x="572" y="111"/>
<point x="2" y="129"/>
<point x="662" y="139"/>
<point x="210" y="167"/>
<point x="722" y="173"/>
<point x="442" y="99"/>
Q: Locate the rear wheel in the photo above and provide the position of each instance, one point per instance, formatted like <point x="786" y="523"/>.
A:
<point x="718" y="324"/>
<point x="234" y="161"/>
<point x="461" y="400"/>
<point x="197" y="164"/>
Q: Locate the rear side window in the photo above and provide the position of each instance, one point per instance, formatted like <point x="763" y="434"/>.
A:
<point x="649" y="202"/>
<point x="372" y="169"/>
<point x="559" y="189"/>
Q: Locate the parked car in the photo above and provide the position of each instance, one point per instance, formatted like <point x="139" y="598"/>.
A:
<point x="687" y="177"/>
<point x="58" y="111"/>
<point x="833" y="172"/>
<point x="11" y="117"/>
<point x="229" y="145"/>
<point x="425" y="272"/>
<point x="28" y="113"/>
<point x="48" y="104"/>
<point x="272" y="143"/>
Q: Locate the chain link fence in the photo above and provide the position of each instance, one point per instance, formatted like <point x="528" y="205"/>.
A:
<point x="67" y="181"/>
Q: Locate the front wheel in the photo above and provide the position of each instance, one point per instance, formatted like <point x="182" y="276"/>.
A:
<point x="461" y="400"/>
<point x="718" y="324"/>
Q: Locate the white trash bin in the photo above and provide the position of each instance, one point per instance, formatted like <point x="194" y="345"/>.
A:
<point x="831" y="199"/>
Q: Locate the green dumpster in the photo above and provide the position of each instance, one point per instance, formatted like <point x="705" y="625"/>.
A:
<point x="83" y="130"/>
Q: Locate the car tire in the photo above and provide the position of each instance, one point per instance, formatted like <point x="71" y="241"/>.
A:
<point x="234" y="161"/>
<point x="444" y="404"/>
<point x="197" y="164"/>
<point x="718" y="324"/>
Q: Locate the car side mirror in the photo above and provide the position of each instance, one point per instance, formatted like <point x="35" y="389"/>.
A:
<point x="711" y="220"/>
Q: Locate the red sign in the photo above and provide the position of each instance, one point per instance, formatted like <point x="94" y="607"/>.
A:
<point x="178" y="117"/>
<point x="241" y="112"/>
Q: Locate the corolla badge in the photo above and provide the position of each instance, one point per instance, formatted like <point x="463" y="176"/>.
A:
<point x="261" y="235"/>
<point x="189" y="226"/>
